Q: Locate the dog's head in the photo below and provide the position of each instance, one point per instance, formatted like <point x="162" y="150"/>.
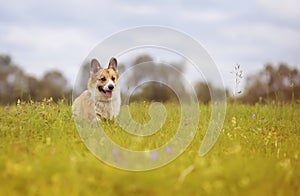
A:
<point x="103" y="81"/>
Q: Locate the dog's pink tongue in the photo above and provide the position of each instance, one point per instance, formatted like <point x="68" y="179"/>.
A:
<point x="108" y="94"/>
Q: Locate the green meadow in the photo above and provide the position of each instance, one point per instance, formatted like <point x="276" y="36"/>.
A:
<point x="257" y="153"/>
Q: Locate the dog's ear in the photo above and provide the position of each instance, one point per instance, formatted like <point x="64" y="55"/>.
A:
<point x="95" y="66"/>
<point x="113" y="64"/>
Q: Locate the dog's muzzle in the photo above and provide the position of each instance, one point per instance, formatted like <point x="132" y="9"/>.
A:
<point x="108" y="93"/>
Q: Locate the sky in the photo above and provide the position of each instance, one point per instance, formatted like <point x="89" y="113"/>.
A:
<point x="59" y="34"/>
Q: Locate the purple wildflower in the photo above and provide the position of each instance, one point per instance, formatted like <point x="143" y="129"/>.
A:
<point x="114" y="151"/>
<point x="153" y="155"/>
<point x="253" y="116"/>
<point x="118" y="159"/>
<point x="168" y="150"/>
<point x="6" y="108"/>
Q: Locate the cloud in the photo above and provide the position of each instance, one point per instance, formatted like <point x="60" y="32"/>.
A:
<point x="203" y="16"/>
<point x="264" y="33"/>
<point x="252" y="45"/>
<point x="140" y="10"/>
<point x="39" y="49"/>
<point x="288" y="9"/>
<point x="43" y="38"/>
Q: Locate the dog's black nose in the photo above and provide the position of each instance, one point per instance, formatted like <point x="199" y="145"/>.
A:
<point x="111" y="87"/>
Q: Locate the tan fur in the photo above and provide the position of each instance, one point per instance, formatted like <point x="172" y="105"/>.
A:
<point x="93" y="104"/>
<point x="83" y="106"/>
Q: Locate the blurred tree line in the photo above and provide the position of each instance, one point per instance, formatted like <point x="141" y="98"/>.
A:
<point x="272" y="83"/>
<point x="281" y="84"/>
<point x="15" y="84"/>
<point x="160" y="75"/>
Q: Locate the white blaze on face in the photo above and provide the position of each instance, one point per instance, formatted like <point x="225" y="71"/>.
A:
<point x="108" y="92"/>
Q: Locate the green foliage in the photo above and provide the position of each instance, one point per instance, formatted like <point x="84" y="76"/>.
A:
<point x="154" y="92"/>
<point x="257" y="153"/>
<point x="15" y="84"/>
<point x="273" y="83"/>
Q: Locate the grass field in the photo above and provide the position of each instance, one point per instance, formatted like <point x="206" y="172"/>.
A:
<point x="257" y="153"/>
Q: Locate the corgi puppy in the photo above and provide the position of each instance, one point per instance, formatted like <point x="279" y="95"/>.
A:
<point x="102" y="100"/>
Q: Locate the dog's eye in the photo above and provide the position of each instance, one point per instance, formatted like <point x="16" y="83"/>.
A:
<point x="113" y="78"/>
<point x="103" y="79"/>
